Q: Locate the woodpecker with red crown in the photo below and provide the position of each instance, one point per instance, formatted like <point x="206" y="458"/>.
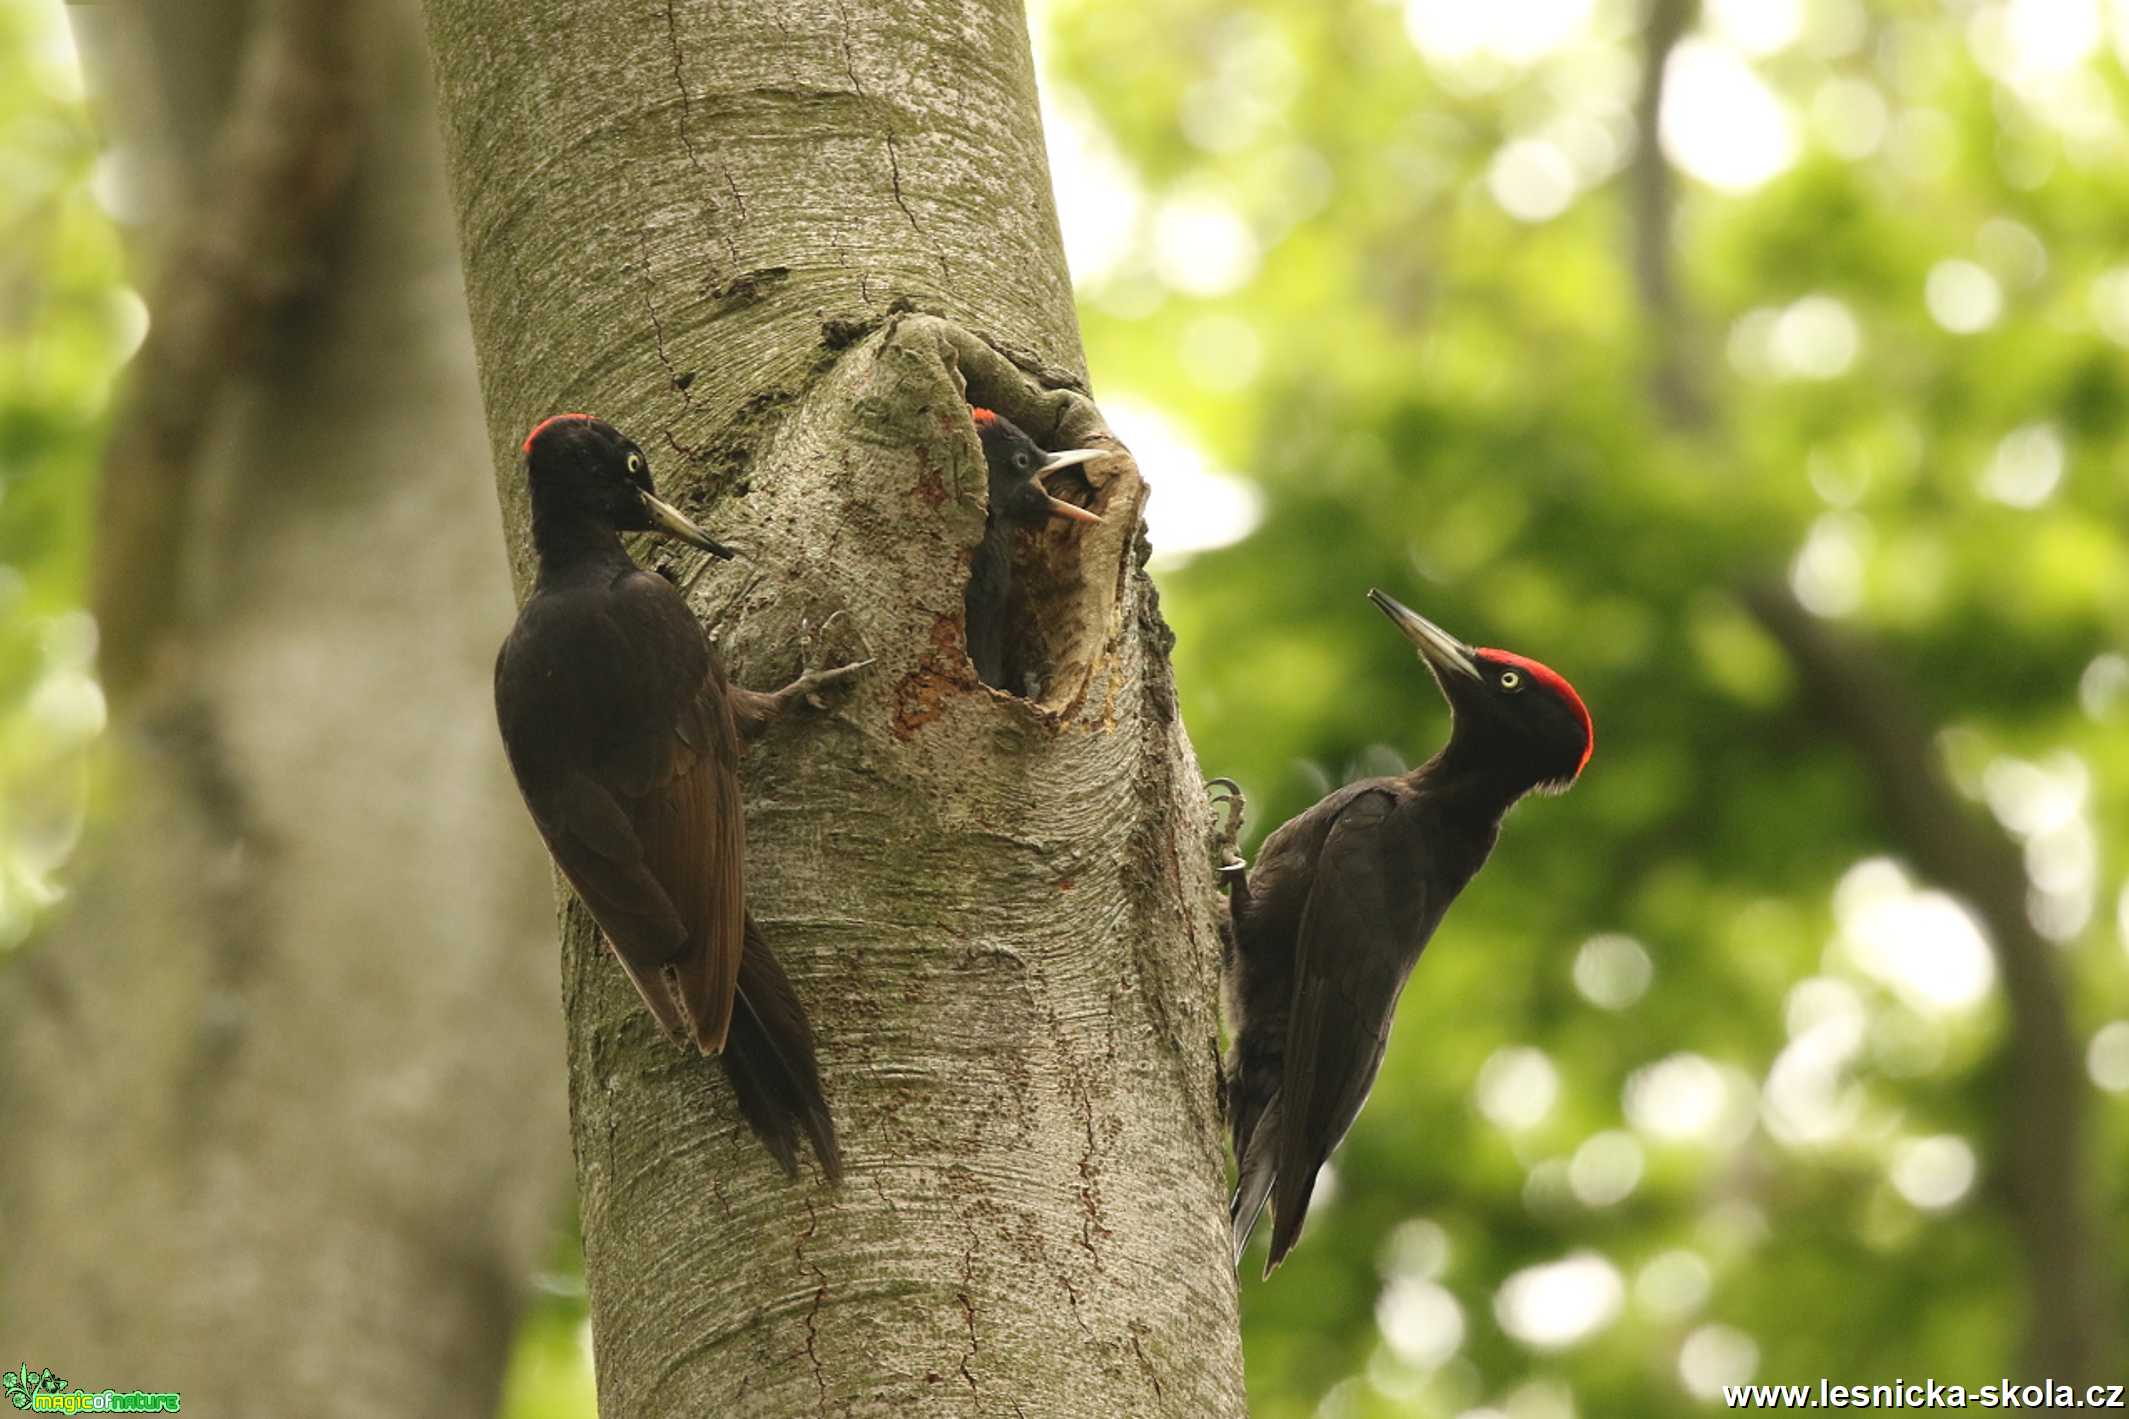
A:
<point x="1017" y="466"/>
<point x="624" y="737"/>
<point x="1327" y="926"/>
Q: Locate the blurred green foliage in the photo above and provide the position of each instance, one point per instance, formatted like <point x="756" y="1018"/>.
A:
<point x="1776" y="1162"/>
<point x="67" y="321"/>
<point x="1695" y="1084"/>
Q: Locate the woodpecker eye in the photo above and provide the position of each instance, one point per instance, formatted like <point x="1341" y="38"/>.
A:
<point x="635" y="465"/>
<point x="1511" y="680"/>
<point x="1021" y="460"/>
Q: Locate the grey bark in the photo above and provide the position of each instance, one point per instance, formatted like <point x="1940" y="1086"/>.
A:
<point x="711" y="224"/>
<point x="283" y="1103"/>
<point x="1673" y="382"/>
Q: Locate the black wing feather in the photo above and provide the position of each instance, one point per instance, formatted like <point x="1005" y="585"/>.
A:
<point x="1351" y="965"/>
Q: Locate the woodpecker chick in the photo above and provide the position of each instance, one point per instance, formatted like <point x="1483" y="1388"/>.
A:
<point x="624" y="738"/>
<point x="1328" y="924"/>
<point x="1017" y="465"/>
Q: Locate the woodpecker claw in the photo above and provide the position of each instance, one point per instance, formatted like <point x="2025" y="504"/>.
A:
<point x="1231" y="862"/>
<point x="812" y="679"/>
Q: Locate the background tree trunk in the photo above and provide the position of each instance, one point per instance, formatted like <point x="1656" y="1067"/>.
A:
<point x="285" y="1110"/>
<point x="708" y="223"/>
<point x="2071" y="1326"/>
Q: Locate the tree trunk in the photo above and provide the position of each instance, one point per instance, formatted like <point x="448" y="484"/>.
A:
<point x="711" y="224"/>
<point x="284" y="1112"/>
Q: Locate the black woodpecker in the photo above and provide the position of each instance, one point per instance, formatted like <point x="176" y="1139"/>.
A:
<point x="1329" y="923"/>
<point x="624" y="737"/>
<point x="1018" y="500"/>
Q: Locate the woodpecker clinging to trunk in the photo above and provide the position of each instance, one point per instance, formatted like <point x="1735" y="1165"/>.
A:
<point x="1331" y="919"/>
<point x="624" y="737"/>
<point x="1017" y="466"/>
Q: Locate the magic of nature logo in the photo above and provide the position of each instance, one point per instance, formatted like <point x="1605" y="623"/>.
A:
<point x="47" y="1393"/>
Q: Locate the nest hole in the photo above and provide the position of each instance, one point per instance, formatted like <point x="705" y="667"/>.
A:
<point x="1046" y="606"/>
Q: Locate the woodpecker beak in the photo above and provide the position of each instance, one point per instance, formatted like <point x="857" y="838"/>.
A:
<point x="1442" y="651"/>
<point x="1070" y="458"/>
<point x="669" y="520"/>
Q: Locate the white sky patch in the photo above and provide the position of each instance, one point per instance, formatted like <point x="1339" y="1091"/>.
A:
<point x="1420" y="1322"/>
<point x="1962" y="297"/>
<point x="1679" y="1098"/>
<point x="2110" y="295"/>
<point x="1416" y="1250"/>
<point x="1715" y="1356"/>
<point x="68" y="705"/>
<point x="1606" y="1169"/>
<point x="1817" y="337"/>
<point x="2101" y="687"/>
<point x="1539" y="1399"/>
<point x="55" y="64"/>
<point x="2026" y="467"/>
<point x="1192" y="507"/>
<point x="1827" y="575"/>
<point x="1099" y="198"/>
<point x="1545" y="1189"/>
<point x="1758" y="26"/>
<point x="1202" y="245"/>
<point x="2027" y="41"/>
<point x="1596" y="142"/>
<point x="1836" y="27"/>
<point x="1554" y="1305"/>
<point x="2029" y="797"/>
<point x="1532" y="179"/>
<point x="1849" y="116"/>
<point x="1517" y="1086"/>
<point x="1924" y="945"/>
<point x="1934" y="1173"/>
<point x="1720" y="121"/>
<point x="1672" y="1285"/>
<point x="1518" y="32"/>
<point x="129" y="313"/>
<point x="1808" y="1098"/>
<point x="1612" y="971"/>
<point x="2107" y="1057"/>
<point x="2012" y="250"/>
<point x="2045" y="804"/>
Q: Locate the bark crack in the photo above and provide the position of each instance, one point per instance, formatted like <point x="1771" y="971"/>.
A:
<point x="1138" y="1328"/>
<point x="687" y="141"/>
<point x="820" y="1296"/>
<point x="968" y="1309"/>
<point x="894" y="158"/>
<point x="673" y="376"/>
<point x="1090" y="1227"/>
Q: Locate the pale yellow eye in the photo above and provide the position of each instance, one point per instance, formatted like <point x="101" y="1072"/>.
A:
<point x="1511" y="680"/>
<point x="635" y="463"/>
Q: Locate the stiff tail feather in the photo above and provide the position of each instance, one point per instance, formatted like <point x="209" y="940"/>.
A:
<point x="769" y="1058"/>
<point x="1257" y="1171"/>
<point x="1289" y="1211"/>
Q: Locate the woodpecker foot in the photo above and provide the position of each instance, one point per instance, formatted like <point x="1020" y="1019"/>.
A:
<point x="813" y="677"/>
<point x="756" y="710"/>
<point x="1232" y="863"/>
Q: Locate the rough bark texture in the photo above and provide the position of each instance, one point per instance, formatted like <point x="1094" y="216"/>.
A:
<point x="282" y="1094"/>
<point x="710" y="223"/>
